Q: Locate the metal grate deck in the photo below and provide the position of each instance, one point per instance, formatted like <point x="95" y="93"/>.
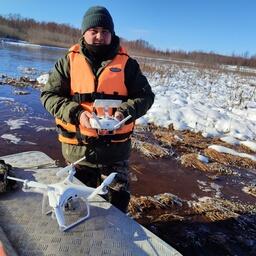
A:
<point x="106" y="232"/>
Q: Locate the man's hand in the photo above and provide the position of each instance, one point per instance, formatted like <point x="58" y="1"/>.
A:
<point x="119" y="116"/>
<point x="84" y="119"/>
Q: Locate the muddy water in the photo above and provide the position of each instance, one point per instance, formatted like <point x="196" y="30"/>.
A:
<point x="168" y="176"/>
<point x="162" y="176"/>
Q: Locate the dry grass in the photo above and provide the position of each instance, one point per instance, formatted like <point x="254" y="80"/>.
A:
<point x="230" y="160"/>
<point x="171" y="206"/>
<point x="142" y="206"/>
<point x="215" y="209"/>
<point x="165" y="68"/>
<point x="251" y="190"/>
<point x="159" y="142"/>
<point x="201" y="225"/>
<point x="191" y="160"/>
<point x="144" y="142"/>
<point x="150" y="150"/>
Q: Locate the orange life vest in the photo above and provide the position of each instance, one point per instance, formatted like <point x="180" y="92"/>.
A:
<point x="86" y="87"/>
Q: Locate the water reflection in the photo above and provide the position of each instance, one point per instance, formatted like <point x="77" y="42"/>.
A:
<point x="22" y="117"/>
<point x="14" y="56"/>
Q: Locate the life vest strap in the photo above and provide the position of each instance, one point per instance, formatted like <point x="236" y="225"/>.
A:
<point x="71" y="135"/>
<point x="83" y="139"/>
<point x="91" y="97"/>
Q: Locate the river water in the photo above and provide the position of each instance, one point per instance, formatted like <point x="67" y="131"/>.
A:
<point x="15" y="57"/>
<point x="25" y="126"/>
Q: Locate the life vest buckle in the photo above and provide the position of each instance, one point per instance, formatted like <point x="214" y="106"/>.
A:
<point x="77" y="98"/>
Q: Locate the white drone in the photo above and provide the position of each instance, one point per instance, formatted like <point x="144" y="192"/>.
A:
<point x="106" y="122"/>
<point x="63" y="194"/>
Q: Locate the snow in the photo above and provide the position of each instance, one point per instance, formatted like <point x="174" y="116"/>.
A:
<point x="12" y="138"/>
<point x="6" y="99"/>
<point x="233" y="141"/>
<point x="216" y="103"/>
<point x="16" y="123"/>
<point x="43" y="128"/>
<point x="27" y="44"/>
<point x="249" y="144"/>
<point x="202" y="158"/>
<point x="43" y="79"/>
<point x="230" y="151"/>
<point x="230" y="140"/>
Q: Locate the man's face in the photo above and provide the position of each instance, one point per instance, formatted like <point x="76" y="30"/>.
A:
<point x="98" y="35"/>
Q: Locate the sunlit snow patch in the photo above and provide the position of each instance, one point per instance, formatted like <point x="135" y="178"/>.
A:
<point x="233" y="141"/>
<point x="27" y="70"/>
<point x="43" y="79"/>
<point x="6" y="99"/>
<point x="12" y="138"/>
<point x="230" y="151"/>
<point x="202" y="158"/>
<point x="16" y="123"/>
<point x="249" y="144"/>
<point x="42" y="128"/>
<point x="230" y="140"/>
<point x="142" y="121"/>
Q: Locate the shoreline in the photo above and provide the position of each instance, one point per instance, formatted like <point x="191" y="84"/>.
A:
<point x="29" y="44"/>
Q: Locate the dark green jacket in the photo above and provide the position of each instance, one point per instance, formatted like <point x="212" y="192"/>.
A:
<point x="56" y="99"/>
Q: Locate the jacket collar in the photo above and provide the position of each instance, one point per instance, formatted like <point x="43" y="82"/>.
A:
<point x="114" y="48"/>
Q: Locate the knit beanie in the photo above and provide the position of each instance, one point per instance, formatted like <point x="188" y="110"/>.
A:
<point x="97" y="16"/>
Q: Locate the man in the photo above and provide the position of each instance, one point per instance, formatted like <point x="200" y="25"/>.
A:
<point x="97" y="68"/>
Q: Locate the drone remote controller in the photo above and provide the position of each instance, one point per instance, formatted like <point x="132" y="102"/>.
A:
<point x="107" y="122"/>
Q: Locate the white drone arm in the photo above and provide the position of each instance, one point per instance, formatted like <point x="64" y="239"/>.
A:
<point x="67" y="169"/>
<point x="101" y="190"/>
<point x="30" y="184"/>
<point x="117" y="126"/>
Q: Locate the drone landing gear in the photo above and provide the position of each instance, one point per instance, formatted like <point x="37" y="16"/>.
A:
<point x="70" y="213"/>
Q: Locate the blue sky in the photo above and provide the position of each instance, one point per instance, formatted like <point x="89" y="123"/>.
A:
<point x="221" y="26"/>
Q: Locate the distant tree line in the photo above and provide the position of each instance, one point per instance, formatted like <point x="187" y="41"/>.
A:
<point x="64" y="35"/>
<point x="45" y="33"/>
<point x="210" y="58"/>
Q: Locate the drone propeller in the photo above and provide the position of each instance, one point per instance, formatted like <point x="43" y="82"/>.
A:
<point x="65" y="170"/>
<point x="103" y="185"/>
